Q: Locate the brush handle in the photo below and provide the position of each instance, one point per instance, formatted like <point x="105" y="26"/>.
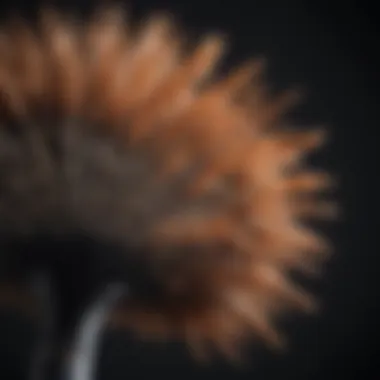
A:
<point x="81" y="365"/>
<point x="48" y="363"/>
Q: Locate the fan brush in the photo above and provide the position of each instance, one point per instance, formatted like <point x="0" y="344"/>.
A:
<point x="126" y="158"/>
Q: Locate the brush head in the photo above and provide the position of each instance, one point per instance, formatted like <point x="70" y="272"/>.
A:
<point x="128" y="138"/>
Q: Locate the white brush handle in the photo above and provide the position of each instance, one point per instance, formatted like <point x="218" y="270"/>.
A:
<point x="81" y="364"/>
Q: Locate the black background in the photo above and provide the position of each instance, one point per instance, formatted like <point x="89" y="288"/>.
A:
<point x="331" y="48"/>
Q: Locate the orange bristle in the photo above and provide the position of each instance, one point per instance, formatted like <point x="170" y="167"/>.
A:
<point x="212" y="186"/>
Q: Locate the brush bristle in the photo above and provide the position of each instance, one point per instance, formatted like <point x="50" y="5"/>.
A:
<point x="198" y="171"/>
